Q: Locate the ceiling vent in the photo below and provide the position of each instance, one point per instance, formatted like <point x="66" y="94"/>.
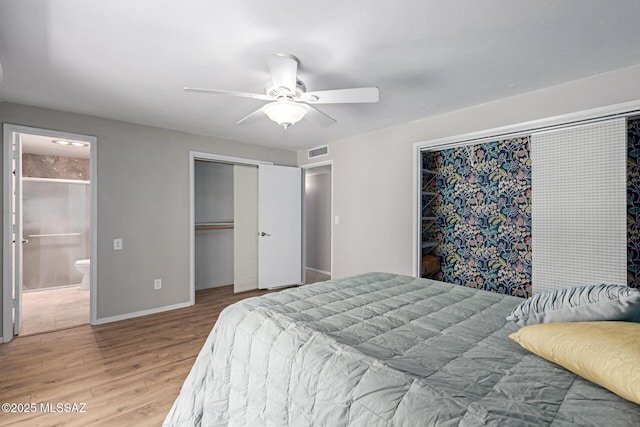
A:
<point x="318" y="151"/>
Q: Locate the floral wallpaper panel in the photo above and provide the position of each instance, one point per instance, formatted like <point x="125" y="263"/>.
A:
<point x="482" y="215"/>
<point x="633" y="203"/>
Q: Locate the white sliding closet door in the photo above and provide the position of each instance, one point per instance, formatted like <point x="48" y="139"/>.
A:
<point x="245" y="236"/>
<point x="280" y="226"/>
<point x="578" y="201"/>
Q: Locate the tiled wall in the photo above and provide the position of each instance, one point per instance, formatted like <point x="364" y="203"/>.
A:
<point x="46" y="166"/>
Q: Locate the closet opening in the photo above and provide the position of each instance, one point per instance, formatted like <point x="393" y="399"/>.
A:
<point x="476" y="215"/>
<point x="533" y="206"/>
<point x="245" y="224"/>
<point x="223" y="222"/>
<point x="214" y="225"/>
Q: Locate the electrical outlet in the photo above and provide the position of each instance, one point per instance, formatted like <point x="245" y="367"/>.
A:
<point x="157" y="284"/>
<point x="117" y="244"/>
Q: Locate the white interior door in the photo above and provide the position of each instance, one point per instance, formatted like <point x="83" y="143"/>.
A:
<point x="279" y="226"/>
<point x="17" y="234"/>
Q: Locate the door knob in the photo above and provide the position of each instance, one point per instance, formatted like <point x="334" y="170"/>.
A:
<point x="265" y="234"/>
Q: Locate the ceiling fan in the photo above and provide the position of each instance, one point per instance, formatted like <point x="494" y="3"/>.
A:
<point x="290" y="101"/>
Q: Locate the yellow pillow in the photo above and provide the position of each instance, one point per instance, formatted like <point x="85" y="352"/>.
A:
<point x="606" y="353"/>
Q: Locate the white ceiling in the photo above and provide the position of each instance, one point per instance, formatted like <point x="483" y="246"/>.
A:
<point x="129" y="60"/>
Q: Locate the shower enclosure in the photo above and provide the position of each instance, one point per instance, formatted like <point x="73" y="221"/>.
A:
<point x="56" y="230"/>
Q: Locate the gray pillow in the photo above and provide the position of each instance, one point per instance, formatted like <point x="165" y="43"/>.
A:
<point x="579" y="304"/>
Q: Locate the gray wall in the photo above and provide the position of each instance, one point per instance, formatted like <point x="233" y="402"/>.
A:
<point x="373" y="173"/>
<point x="318" y="219"/>
<point x="143" y="198"/>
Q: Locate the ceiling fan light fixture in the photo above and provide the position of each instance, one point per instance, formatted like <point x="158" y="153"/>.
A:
<point x="285" y="112"/>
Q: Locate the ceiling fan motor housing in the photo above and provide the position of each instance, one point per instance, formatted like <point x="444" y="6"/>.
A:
<point x="279" y="92"/>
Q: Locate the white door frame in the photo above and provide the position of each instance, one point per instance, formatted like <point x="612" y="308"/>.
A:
<point x="210" y="157"/>
<point x="304" y="216"/>
<point x="7" y="208"/>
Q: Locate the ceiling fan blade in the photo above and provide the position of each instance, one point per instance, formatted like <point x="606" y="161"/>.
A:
<point x="318" y="117"/>
<point x="343" y="96"/>
<point x="230" y="93"/>
<point x="250" y="118"/>
<point x="283" y="68"/>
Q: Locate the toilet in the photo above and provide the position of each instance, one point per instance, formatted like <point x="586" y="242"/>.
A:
<point x="83" y="267"/>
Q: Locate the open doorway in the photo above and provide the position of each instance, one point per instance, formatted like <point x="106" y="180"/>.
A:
<point x="318" y="223"/>
<point x="50" y="238"/>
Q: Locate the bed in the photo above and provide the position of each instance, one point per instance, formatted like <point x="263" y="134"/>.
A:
<point x="382" y="349"/>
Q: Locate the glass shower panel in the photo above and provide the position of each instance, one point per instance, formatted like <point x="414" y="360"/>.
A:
<point x="56" y="225"/>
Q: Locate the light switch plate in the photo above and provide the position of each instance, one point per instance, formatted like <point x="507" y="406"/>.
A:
<point x="117" y="244"/>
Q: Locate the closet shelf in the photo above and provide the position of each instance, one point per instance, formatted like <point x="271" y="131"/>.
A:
<point x="208" y="226"/>
<point x="428" y="201"/>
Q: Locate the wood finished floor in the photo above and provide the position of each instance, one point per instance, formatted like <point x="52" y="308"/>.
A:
<point x="128" y="373"/>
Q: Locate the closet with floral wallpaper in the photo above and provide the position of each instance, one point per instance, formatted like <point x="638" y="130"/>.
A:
<point x="476" y="217"/>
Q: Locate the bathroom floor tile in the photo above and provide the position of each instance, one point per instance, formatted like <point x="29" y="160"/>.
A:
<point x="54" y="309"/>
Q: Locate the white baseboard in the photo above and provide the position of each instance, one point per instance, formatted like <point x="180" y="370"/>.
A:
<point x="126" y="316"/>
<point x="328" y="273"/>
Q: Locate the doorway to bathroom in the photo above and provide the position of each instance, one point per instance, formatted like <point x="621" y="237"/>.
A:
<point x="51" y="210"/>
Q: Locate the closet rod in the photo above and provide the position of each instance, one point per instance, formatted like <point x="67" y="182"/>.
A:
<point x="210" y="226"/>
<point x="213" y="228"/>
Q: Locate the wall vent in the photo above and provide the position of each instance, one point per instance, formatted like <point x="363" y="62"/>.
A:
<point x="318" y="151"/>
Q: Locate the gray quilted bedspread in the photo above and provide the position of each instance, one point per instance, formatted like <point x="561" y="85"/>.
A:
<point x="382" y="350"/>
